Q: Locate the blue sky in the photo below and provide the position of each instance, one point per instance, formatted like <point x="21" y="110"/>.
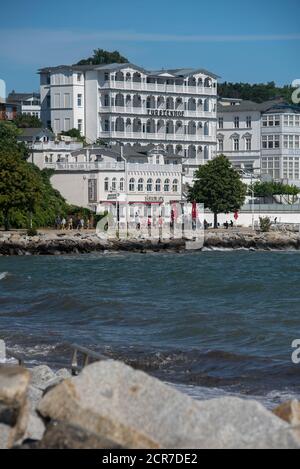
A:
<point x="253" y="41"/>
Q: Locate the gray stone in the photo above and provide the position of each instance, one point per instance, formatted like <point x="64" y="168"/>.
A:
<point x="34" y="395"/>
<point x="14" y="383"/>
<point x="63" y="373"/>
<point x="135" y="410"/>
<point x="60" y="435"/>
<point x="35" y="427"/>
<point x="41" y="376"/>
<point x="2" y="351"/>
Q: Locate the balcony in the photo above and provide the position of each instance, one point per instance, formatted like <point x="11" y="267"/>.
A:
<point x="160" y="88"/>
<point x="86" y="166"/>
<point x="167" y="168"/>
<point x="144" y="111"/>
<point x="57" y="146"/>
<point x="158" y="136"/>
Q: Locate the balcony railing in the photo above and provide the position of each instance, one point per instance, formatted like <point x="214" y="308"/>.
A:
<point x="86" y="166"/>
<point x="144" y="111"/>
<point x="140" y="86"/>
<point x="158" y="136"/>
<point x="56" y="146"/>
<point x="132" y="167"/>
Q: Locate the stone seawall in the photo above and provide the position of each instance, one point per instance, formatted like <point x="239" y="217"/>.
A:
<point x="55" y="243"/>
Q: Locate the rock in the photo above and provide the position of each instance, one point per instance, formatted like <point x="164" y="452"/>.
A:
<point x="41" y="376"/>
<point x="2" y="351"/>
<point x="35" y="427"/>
<point x="60" y="435"/>
<point x="63" y="373"/>
<point x="14" y="383"/>
<point x="134" y="410"/>
<point x="289" y="412"/>
<point x="34" y="395"/>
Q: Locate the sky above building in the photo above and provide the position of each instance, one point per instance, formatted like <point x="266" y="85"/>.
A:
<point x="254" y="41"/>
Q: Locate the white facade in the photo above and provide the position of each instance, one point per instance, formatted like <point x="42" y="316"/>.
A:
<point x="175" y="109"/>
<point x="100" y="176"/>
<point x="264" y="138"/>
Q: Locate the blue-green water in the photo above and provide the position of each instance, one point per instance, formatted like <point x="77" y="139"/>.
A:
<point x="217" y="321"/>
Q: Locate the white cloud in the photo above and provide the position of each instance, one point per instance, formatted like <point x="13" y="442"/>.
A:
<point x="34" y="46"/>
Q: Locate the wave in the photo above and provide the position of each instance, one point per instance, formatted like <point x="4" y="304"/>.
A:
<point x="3" y="275"/>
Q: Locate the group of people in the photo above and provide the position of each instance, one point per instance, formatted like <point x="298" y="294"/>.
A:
<point x="79" y="223"/>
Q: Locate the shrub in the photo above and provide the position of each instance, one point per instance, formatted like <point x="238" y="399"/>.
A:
<point x="265" y="224"/>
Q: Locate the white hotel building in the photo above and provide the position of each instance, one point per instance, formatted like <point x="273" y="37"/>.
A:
<point x="175" y="109"/>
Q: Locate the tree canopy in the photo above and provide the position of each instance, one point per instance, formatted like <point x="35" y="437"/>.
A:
<point x="24" y="121"/>
<point x="103" y="57"/>
<point x="219" y="187"/>
<point x="26" y="191"/>
<point x="270" y="189"/>
<point x="258" y="92"/>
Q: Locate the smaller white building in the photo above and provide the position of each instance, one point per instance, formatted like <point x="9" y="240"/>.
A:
<point x="101" y="177"/>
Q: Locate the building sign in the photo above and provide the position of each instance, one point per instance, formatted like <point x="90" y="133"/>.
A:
<point x="165" y="113"/>
<point x="153" y="198"/>
<point x="112" y="196"/>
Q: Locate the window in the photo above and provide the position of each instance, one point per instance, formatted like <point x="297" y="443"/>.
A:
<point x="121" y="186"/>
<point x="158" y="185"/>
<point x="92" y="190"/>
<point x="236" y="144"/>
<point x="248" y="143"/>
<point x="78" y="76"/>
<point x="67" y="100"/>
<point x="48" y="80"/>
<point x="106" y="100"/>
<point x="149" y="185"/>
<point x="175" y="185"/>
<point x="249" y="122"/>
<point x="157" y="159"/>
<point x="167" y="185"/>
<point x="220" y="144"/>
<point x="270" y="141"/>
<point x="106" y="125"/>
<point x="221" y="123"/>
<point x="79" y="100"/>
<point x="271" y="121"/>
<point x="114" y="184"/>
<point x="237" y="122"/>
<point x="131" y="185"/>
<point x="141" y="185"/>
<point x="79" y="125"/>
<point x="106" y="184"/>
<point x="67" y="124"/>
<point x="48" y="101"/>
<point x="106" y="76"/>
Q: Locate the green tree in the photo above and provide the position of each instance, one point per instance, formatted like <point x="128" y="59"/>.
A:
<point x="8" y="139"/>
<point x="219" y="187"/>
<point x="270" y="189"/>
<point x="258" y="92"/>
<point x="103" y="57"/>
<point x="19" y="187"/>
<point x="24" y="121"/>
<point x="74" y="133"/>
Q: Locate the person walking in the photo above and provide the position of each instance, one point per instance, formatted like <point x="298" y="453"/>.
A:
<point x="63" y="223"/>
<point x="70" y="224"/>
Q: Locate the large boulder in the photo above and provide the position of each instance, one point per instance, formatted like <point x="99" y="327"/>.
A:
<point x="14" y="382"/>
<point x="60" y="435"/>
<point x="112" y="400"/>
<point x="289" y="412"/>
<point x="42" y="376"/>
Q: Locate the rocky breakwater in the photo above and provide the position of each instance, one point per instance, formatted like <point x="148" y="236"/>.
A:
<point x="52" y="243"/>
<point x="251" y="240"/>
<point x="55" y="243"/>
<point x="111" y="405"/>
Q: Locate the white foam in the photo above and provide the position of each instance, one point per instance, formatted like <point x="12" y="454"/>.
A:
<point x="3" y="275"/>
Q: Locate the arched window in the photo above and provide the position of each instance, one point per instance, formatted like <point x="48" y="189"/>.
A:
<point x="121" y="186"/>
<point x="175" y="185"/>
<point x="114" y="184"/>
<point x="149" y="185"/>
<point x="131" y="185"/>
<point x="167" y="185"/>
<point x="141" y="185"/>
<point x="106" y="184"/>
<point x="158" y="185"/>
